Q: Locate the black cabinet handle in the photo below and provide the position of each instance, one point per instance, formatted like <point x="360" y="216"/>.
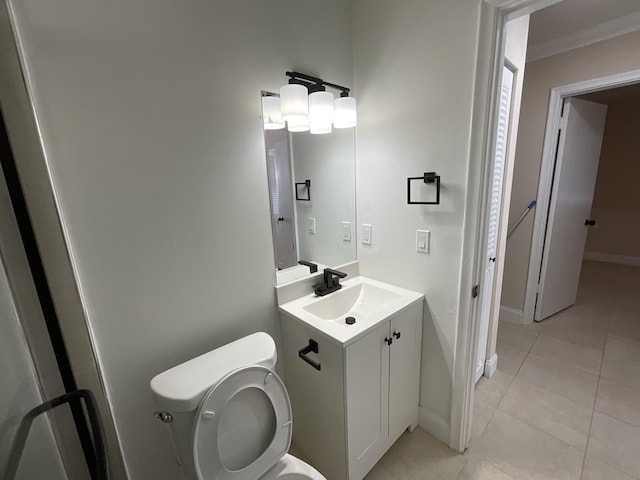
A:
<point x="397" y="335"/>
<point x="312" y="347"/>
<point x="388" y="341"/>
<point x="589" y="222"/>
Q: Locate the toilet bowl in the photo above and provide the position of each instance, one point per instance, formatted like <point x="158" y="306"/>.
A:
<point x="229" y="414"/>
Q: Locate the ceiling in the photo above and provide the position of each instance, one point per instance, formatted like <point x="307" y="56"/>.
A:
<point x="574" y="23"/>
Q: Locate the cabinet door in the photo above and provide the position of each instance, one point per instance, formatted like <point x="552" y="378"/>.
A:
<point x="317" y="398"/>
<point x="404" y="371"/>
<point x="367" y="385"/>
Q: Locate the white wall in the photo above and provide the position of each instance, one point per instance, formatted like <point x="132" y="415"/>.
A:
<point x="328" y="161"/>
<point x="150" y="118"/>
<point x="414" y="76"/>
<point x="21" y="393"/>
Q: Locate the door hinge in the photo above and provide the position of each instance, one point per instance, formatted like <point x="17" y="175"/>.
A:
<point x="563" y="124"/>
<point x="475" y="291"/>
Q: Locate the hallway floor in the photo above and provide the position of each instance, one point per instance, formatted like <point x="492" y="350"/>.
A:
<point x="564" y="403"/>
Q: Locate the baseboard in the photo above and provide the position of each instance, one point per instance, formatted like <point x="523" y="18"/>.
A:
<point x="511" y="315"/>
<point x="608" y="258"/>
<point x="435" y="425"/>
<point x="491" y="365"/>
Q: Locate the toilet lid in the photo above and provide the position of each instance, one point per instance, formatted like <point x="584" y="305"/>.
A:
<point x="243" y="425"/>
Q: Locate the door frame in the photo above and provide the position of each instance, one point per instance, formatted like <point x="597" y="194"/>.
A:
<point x="556" y="99"/>
<point x="490" y="59"/>
<point x="487" y="289"/>
<point x="42" y="200"/>
<point x="483" y="144"/>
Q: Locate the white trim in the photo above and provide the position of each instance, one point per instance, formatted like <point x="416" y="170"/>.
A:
<point x="479" y="371"/>
<point x="436" y="426"/>
<point x="491" y="365"/>
<point x="486" y="85"/>
<point x="558" y="94"/>
<point x="490" y="48"/>
<point x="511" y="315"/>
<point x="488" y="69"/>
<point x="582" y="38"/>
<point x="609" y="258"/>
<point x="511" y="9"/>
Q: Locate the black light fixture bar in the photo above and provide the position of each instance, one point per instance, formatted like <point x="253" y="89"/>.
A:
<point x="315" y="84"/>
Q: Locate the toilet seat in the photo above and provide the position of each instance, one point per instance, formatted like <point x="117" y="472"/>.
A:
<point x="250" y="409"/>
<point x="292" y="468"/>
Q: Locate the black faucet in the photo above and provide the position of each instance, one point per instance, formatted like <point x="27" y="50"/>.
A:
<point x="330" y="283"/>
<point x="313" y="268"/>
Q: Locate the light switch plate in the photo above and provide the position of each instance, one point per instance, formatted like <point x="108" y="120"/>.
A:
<point x="311" y="225"/>
<point x="346" y="231"/>
<point x="367" y="231"/>
<point x="423" y="240"/>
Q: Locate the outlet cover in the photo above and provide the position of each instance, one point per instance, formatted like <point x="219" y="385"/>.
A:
<point x="311" y="225"/>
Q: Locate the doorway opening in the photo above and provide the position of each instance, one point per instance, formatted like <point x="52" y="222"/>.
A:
<point x="586" y="344"/>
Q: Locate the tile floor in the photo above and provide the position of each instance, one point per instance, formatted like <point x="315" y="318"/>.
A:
<point x="564" y="403"/>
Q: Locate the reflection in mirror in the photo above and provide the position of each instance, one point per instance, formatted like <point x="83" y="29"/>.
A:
<point x="320" y="230"/>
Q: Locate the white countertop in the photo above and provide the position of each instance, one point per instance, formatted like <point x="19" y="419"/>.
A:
<point x="369" y="301"/>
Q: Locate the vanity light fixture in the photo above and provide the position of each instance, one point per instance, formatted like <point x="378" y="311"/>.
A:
<point x="345" y="114"/>
<point x="306" y="105"/>
<point x="294" y="104"/>
<point x="271" y="113"/>
<point x="299" y="125"/>
<point x="320" y="112"/>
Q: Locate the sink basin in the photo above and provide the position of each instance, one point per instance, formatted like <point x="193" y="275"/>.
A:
<point x="358" y="301"/>
<point x="367" y="301"/>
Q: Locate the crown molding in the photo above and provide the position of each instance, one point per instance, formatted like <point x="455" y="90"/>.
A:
<point x="598" y="33"/>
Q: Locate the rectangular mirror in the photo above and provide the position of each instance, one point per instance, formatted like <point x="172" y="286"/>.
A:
<point x="312" y="198"/>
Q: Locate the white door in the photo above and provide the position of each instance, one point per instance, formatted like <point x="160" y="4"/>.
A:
<point x="404" y="377"/>
<point x="494" y="217"/>
<point x="367" y="385"/>
<point x="281" y="198"/>
<point x="582" y="128"/>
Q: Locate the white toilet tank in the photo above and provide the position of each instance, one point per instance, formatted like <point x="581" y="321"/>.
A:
<point x="178" y="391"/>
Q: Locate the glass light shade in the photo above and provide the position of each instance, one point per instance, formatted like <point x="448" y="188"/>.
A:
<point x="271" y="115"/>
<point x="320" y="108"/>
<point x="345" y="115"/>
<point x="320" y="128"/>
<point x="294" y="102"/>
<point x="301" y="125"/>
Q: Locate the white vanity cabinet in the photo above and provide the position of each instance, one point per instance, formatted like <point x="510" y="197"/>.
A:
<point x="347" y="414"/>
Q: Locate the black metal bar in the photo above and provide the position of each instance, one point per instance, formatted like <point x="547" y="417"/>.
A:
<point x="427" y="177"/>
<point x="312" y="347"/>
<point x="310" y="80"/>
<point x="19" y="204"/>
<point x="99" y="440"/>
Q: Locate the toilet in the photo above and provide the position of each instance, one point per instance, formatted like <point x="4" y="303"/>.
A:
<point x="230" y="415"/>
